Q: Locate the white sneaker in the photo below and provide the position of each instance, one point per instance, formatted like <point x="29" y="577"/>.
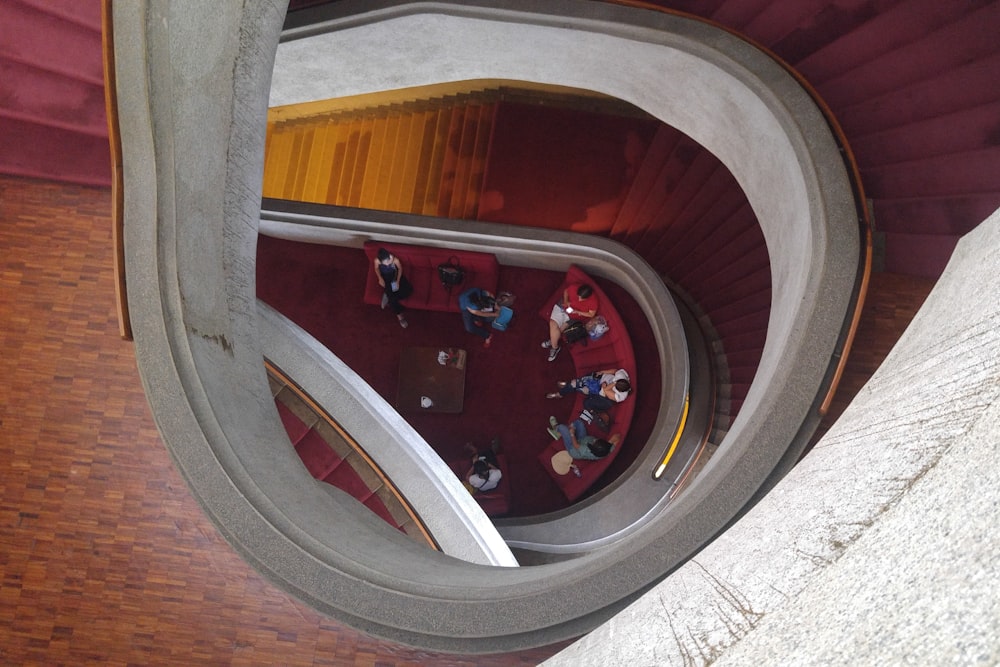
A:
<point x="553" y="353"/>
<point x="546" y="344"/>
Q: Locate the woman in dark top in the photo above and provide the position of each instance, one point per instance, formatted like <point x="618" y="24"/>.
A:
<point x="395" y="286"/>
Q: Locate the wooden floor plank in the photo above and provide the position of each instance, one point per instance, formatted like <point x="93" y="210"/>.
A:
<point x="104" y="555"/>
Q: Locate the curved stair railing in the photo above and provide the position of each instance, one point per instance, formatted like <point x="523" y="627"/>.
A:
<point x="332" y="456"/>
<point x="199" y="350"/>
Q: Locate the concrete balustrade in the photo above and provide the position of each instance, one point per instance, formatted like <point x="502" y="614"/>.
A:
<point x="193" y="87"/>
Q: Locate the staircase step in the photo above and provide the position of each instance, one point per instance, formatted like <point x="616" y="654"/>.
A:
<point x="967" y="130"/>
<point x="653" y="163"/>
<point x="449" y="163"/>
<point x="945" y="175"/>
<point x="937" y="44"/>
<point x="962" y="87"/>
<point x="651" y="213"/>
<point x="319" y="458"/>
<point x="669" y="223"/>
<point x="297" y="422"/>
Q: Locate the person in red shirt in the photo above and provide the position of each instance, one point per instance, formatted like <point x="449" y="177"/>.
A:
<point x="578" y="303"/>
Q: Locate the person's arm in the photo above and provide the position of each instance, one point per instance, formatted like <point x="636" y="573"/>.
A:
<point x="399" y="274"/>
<point x="378" y="274"/>
<point x="573" y="440"/>
<point x="490" y="314"/>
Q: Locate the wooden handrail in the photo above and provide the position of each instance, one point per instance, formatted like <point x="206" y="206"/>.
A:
<point x="860" y="201"/>
<point x="325" y="416"/>
<point x="117" y="178"/>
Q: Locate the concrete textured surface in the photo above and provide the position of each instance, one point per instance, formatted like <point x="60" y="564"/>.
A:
<point x="198" y="124"/>
<point x="881" y="546"/>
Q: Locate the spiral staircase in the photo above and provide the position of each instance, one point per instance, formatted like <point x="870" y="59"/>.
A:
<point x="911" y="83"/>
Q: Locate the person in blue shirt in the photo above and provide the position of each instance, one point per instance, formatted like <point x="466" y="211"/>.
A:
<point x="479" y="309"/>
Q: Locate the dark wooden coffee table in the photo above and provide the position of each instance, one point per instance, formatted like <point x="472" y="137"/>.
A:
<point x="420" y="374"/>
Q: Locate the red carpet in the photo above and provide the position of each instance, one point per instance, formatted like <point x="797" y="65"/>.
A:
<point x="561" y="168"/>
<point x="320" y="288"/>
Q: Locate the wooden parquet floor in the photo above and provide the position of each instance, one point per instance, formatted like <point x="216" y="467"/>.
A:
<point x="104" y="555"/>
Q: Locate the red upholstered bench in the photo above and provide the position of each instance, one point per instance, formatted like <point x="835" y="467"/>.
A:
<point x="420" y="268"/>
<point x="495" y="502"/>
<point x="612" y="350"/>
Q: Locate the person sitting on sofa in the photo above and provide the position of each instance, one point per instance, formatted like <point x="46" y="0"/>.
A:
<point x="579" y="443"/>
<point x="485" y="473"/>
<point x="479" y="309"/>
<point x="603" y="389"/>
<point x="395" y="286"/>
<point x="578" y="303"/>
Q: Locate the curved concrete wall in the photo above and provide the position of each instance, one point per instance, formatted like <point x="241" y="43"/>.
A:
<point x="881" y="546"/>
<point x="193" y="82"/>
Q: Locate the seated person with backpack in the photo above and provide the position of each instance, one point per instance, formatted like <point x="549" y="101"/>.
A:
<point x="485" y="474"/>
<point x="603" y="389"/>
<point x="479" y="309"/>
<point x="579" y="303"/>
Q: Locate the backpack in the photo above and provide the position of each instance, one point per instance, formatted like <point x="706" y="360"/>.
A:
<point x="575" y="332"/>
<point x="502" y="321"/>
<point x="597" y="326"/>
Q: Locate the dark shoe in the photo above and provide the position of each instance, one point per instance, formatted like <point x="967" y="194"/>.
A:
<point x="553" y="353"/>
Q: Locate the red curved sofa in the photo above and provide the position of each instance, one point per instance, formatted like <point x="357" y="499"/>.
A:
<point x="420" y="268"/>
<point x="612" y="350"/>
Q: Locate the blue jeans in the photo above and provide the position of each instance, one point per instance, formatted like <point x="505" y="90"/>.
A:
<point x="469" y="320"/>
<point x="579" y="429"/>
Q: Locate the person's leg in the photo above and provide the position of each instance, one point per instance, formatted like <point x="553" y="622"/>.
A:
<point x="393" y="299"/>
<point x="567" y="388"/>
<point x="469" y="322"/>
<point x="564" y="432"/>
<point x="481" y="331"/>
<point x="397" y="308"/>
<point x="554" y="334"/>
<point x="557" y="322"/>
<point x="598" y="403"/>
<point x="580" y="429"/>
<point x="589" y="385"/>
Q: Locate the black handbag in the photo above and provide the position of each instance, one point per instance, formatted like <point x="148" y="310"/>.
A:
<point x="451" y="273"/>
<point x="575" y="332"/>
